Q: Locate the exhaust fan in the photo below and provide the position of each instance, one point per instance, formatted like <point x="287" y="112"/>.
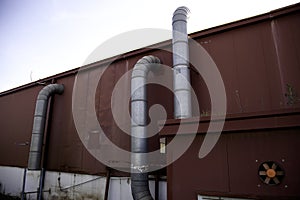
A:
<point x="270" y="173"/>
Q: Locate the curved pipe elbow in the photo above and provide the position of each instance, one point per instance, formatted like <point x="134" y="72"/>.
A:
<point x="144" y="65"/>
<point x="48" y="90"/>
<point x="35" y="152"/>
<point x="139" y="180"/>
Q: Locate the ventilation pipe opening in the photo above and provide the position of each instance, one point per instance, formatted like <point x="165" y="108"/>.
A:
<point x="35" y="152"/>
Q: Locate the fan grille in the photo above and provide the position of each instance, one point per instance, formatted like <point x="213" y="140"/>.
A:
<point x="270" y="173"/>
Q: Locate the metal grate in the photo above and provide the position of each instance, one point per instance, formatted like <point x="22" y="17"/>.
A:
<point x="270" y="173"/>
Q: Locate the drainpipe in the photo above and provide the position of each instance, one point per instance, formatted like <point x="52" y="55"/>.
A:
<point x="107" y="184"/>
<point x="181" y="71"/>
<point x="34" y="161"/>
<point x="23" y="185"/>
<point x="139" y="176"/>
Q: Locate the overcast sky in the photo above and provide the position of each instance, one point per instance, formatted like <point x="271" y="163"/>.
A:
<point x="40" y="38"/>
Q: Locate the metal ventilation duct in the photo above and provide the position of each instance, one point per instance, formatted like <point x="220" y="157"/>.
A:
<point x="182" y="101"/>
<point x="181" y="71"/>
<point x="139" y="176"/>
<point x="34" y="161"/>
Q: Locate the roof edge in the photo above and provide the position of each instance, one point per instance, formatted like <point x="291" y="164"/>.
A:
<point x="164" y="44"/>
<point x="247" y="21"/>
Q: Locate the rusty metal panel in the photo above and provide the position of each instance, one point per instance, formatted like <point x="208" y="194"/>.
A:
<point x="221" y="49"/>
<point x="251" y="72"/>
<point x="247" y="61"/>
<point x="66" y="152"/>
<point x="61" y="133"/>
<point x="231" y="169"/>
<point x="189" y="174"/>
<point x="246" y="151"/>
<point x="16" y="120"/>
<point x="272" y="75"/>
<point x="286" y="31"/>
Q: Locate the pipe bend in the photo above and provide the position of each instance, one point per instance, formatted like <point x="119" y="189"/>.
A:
<point x="139" y="180"/>
<point x="148" y="60"/>
<point x="48" y="90"/>
<point x="145" y="63"/>
<point x="35" y="152"/>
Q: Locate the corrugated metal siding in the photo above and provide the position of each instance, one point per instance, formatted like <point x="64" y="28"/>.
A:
<point x="280" y="146"/>
<point x="247" y="60"/>
<point x="66" y="151"/>
<point x="286" y="31"/>
<point x="16" y="120"/>
<point x="231" y="168"/>
<point x="256" y="61"/>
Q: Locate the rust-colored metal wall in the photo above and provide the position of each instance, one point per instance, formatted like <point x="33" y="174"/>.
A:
<point x="257" y="58"/>
<point x="231" y="169"/>
<point x="259" y="63"/>
<point x="16" y="120"/>
<point x="256" y="62"/>
<point x="246" y="60"/>
<point x="66" y="151"/>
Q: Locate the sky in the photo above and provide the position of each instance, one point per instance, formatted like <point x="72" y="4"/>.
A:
<point x="40" y="38"/>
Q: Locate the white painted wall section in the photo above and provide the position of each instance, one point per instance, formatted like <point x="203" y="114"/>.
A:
<point x="60" y="185"/>
<point x="11" y="179"/>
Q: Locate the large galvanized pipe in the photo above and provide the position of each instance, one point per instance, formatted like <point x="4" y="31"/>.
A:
<point x="181" y="72"/>
<point x="34" y="161"/>
<point x="139" y="176"/>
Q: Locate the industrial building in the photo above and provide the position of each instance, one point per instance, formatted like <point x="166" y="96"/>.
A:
<point x="43" y="156"/>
